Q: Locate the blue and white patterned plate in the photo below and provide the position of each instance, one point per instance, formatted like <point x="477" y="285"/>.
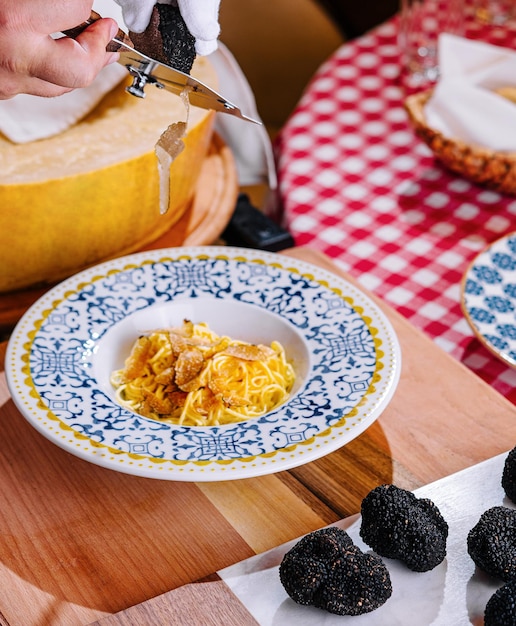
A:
<point x="62" y="352"/>
<point x="488" y="298"/>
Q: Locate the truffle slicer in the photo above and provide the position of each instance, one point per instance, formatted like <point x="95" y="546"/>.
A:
<point x="147" y="71"/>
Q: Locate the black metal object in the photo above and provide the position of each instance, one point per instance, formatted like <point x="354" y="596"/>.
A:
<point x="355" y="18"/>
<point x="251" y="228"/>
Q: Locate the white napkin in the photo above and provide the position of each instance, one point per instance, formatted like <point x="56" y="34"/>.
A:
<point x="464" y="104"/>
<point x="250" y="143"/>
<point x="27" y="118"/>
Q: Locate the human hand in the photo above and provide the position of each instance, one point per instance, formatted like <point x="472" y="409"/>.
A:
<point x="201" y="18"/>
<point x="33" y="62"/>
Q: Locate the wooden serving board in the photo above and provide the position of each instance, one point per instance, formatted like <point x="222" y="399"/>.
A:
<point x="82" y="543"/>
<point x="209" y="212"/>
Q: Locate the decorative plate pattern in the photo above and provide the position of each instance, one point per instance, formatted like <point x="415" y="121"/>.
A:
<point x="62" y="352"/>
<point x="489" y="298"/>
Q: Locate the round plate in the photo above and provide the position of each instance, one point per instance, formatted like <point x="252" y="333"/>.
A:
<point x="62" y="352"/>
<point x="488" y="298"/>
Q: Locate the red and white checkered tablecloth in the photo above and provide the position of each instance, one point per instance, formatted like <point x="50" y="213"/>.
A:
<point x="356" y="183"/>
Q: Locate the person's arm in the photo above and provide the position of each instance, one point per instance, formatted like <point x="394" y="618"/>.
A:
<point x="33" y="62"/>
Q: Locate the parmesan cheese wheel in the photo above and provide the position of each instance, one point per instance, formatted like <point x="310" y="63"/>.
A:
<point x="93" y="192"/>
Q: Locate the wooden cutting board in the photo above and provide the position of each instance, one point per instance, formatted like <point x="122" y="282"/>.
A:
<point x="205" y="603"/>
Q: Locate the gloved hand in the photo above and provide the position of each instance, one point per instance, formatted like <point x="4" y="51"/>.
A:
<point x="201" y="18"/>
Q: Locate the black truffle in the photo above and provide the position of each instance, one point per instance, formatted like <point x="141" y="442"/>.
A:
<point x="509" y="475"/>
<point x="492" y="543"/>
<point x="325" y="569"/>
<point x="397" y="525"/>
<point x="167" y="38"/>
<point x="501" y="607"/>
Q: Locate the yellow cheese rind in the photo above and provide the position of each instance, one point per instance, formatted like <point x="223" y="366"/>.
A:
<point x="92" y="192"/>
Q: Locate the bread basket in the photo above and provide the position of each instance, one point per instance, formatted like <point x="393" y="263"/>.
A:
<point x="495" y="170"/>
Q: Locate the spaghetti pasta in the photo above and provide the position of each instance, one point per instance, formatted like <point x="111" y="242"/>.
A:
<point x="194" y="377"/>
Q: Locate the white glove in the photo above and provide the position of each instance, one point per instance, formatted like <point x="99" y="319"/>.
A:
<point x="201" y="18"/>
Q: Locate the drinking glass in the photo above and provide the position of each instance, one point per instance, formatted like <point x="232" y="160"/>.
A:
<point x="421" y="23"/>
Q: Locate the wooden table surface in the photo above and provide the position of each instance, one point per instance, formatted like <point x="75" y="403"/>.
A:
<point x="81" y="543"/>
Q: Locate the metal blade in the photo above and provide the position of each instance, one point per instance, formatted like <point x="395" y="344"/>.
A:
<point x="147" y="71"/>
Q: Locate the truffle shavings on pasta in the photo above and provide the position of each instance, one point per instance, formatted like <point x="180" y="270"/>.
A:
<point x="167" y="149"/>
<point x="193" y="377"/>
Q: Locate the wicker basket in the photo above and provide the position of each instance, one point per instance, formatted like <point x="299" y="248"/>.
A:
<point x="496" y="170"/>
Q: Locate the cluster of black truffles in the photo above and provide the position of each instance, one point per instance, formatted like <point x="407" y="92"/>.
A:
<point x="492" y="547"/>
<point x="492" y="543"/>
<point x="326" y="570"/>
<point x="398" y="525"/>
